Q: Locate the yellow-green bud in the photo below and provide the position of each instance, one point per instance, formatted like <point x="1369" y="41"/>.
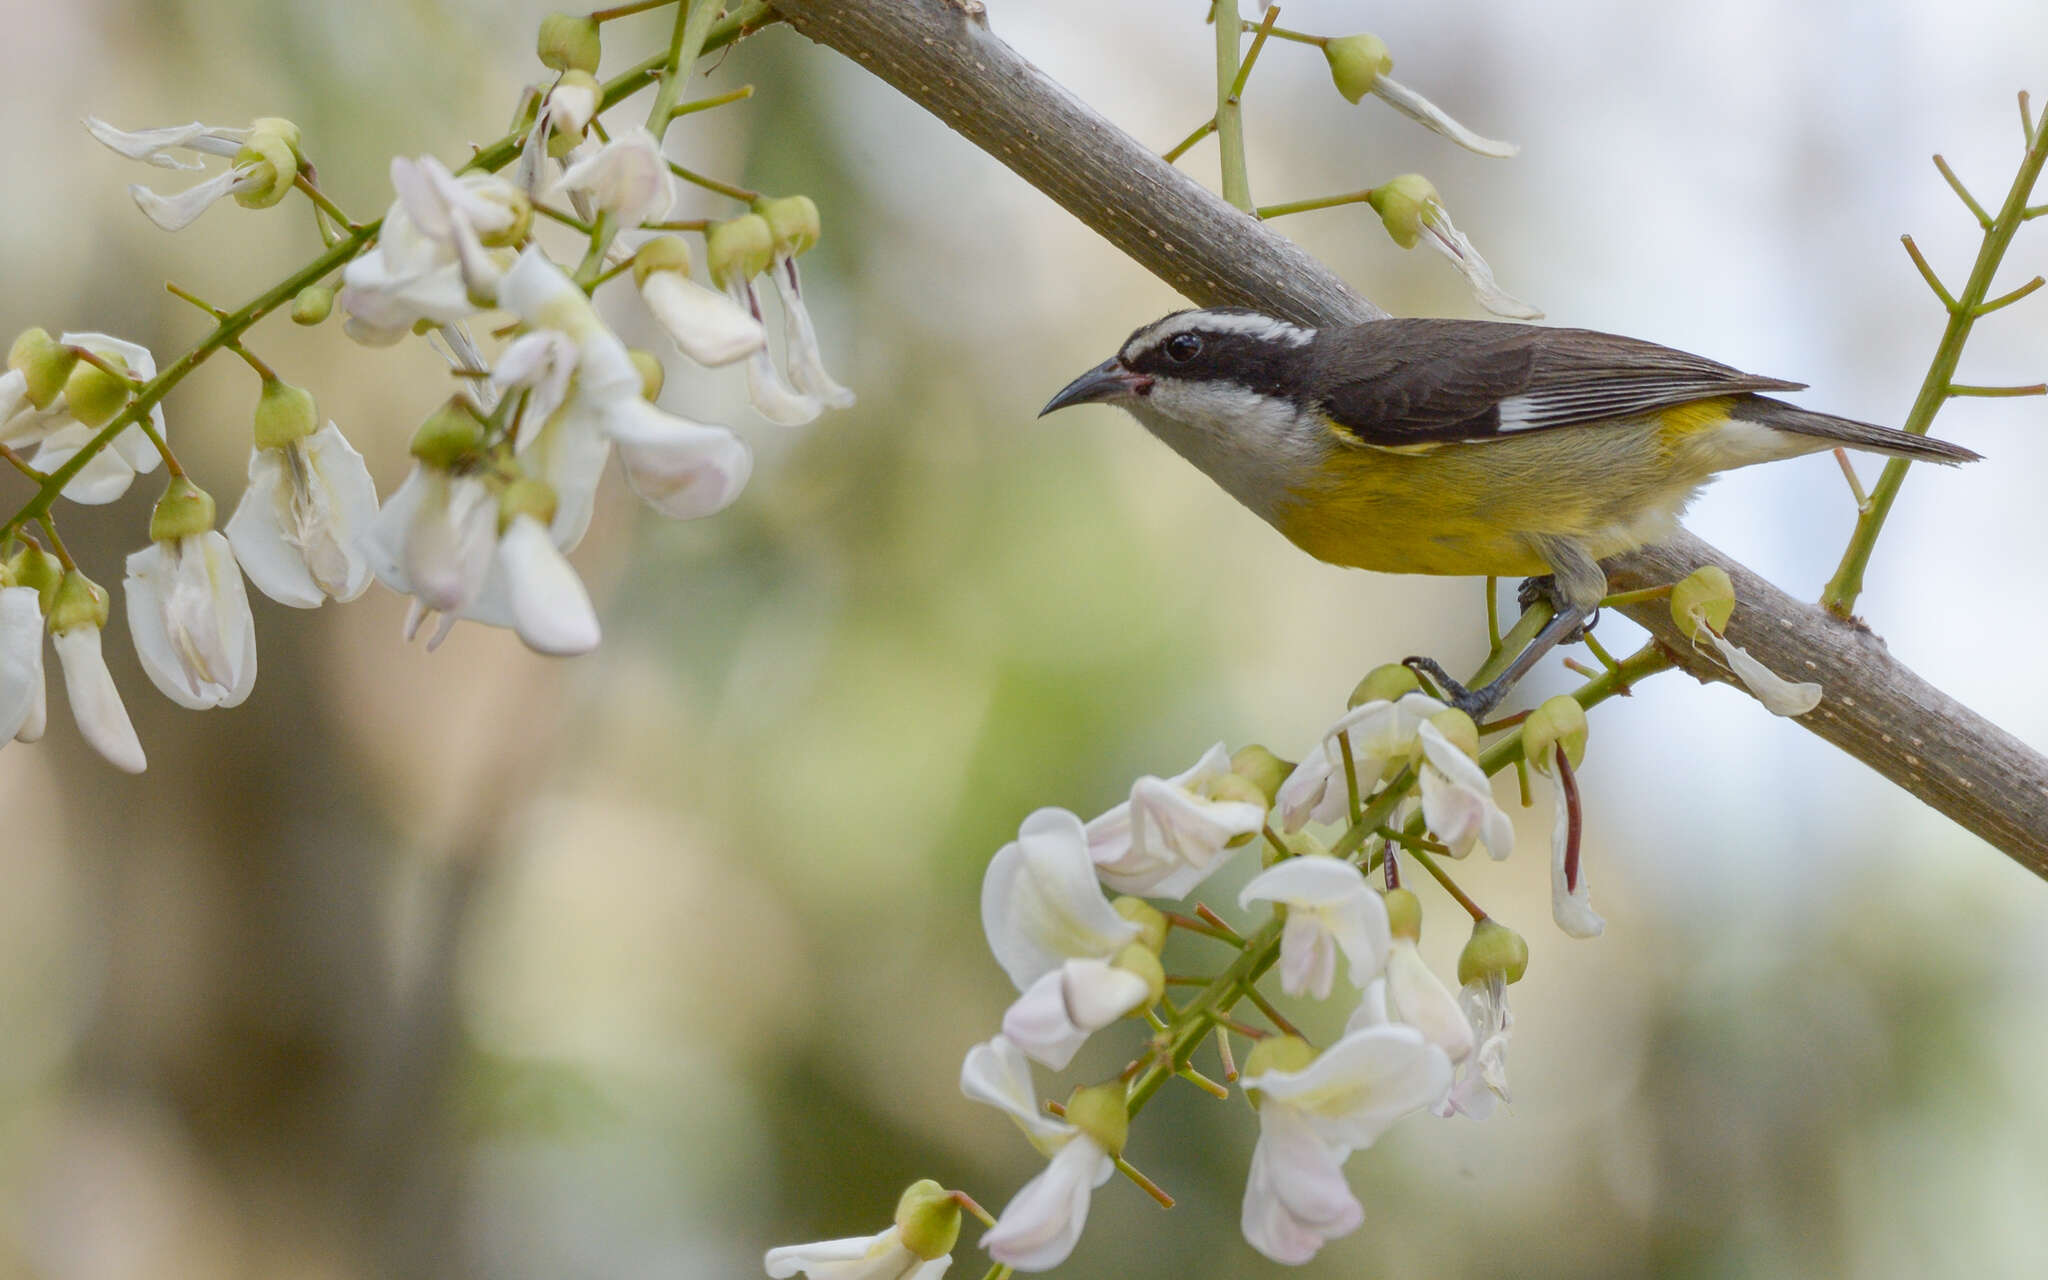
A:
<point x="44" y="362"/>
<point x="1458" y="729"/>
<point x="1276" y="1053"/>
<point x="1262" y="769"/>
<point x="514" y="232"/>
<point x="1098" y="1110"/>
<point x="928" y="1220"/>
<point x="1136" y="958"/>
<point x="313" y="304"/>
<point x="1151" y="921"/>
<point x="185" y="511"/>
<point x="284" y="413"/>
<point x="561" y="142"/>
<point x="1228" y="788"/>
<point x="652" y="375"/>
<point x="1558" y="720"/>
<point x="569" y="42"/>
<point x="92" y="394"/>
<point x="80" y="602"/>
<point x="1706" y="594"/>
<point x="792" y="220"/>
<point x="1401" y="203"/>
<point x="739" y="249"/>
<point x="283" y="130"/>
<point x="663" y="253"/>
<point x="276" y="164"/>
<point x="1493" y="948"/>
<point x="36" y="568"/>
<point x="526" y="496"/>
<point x="450" y="434"/>
<point x="1388" y="683"/>
<point x="1357" y="62"/>
<point x="1404" y="914"/>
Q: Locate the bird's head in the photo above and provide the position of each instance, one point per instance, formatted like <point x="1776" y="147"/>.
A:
<point x="1196" y="366"/>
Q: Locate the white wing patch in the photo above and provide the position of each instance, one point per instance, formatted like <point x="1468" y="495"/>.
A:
<point x="1559" y="406"/>
<point x="1262" y="327"/>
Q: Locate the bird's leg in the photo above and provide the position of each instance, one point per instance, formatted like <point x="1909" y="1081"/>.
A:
<point x="1546" y="590"/>
<point x="1574" y="590"/>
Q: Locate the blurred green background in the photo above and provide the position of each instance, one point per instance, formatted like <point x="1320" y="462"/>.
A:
<point x="478" y="964"/>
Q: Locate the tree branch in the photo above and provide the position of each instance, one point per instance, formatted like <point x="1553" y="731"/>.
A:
<point x="941" y="55"/>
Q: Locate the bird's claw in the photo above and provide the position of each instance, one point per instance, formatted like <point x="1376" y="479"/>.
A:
<point x="1473" y="702"/>
<point x="1544" y="589"/>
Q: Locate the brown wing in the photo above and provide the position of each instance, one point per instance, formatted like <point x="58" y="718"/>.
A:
<point x="1395" y="384"/>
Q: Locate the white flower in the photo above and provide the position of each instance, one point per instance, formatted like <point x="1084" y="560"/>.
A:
<point x="264" y="166"/>
<point x="626" y="177"/>
<point x="1042" y="1222"/>
<point x="709" y="326"/>
<point x="95" y="702"/>
<point x="191" y="621"/>
<point x="1430" y="116"/>
<point x="1457" y="799"/>
<point x="996" y="1072"/>
<point x="1173" y="832"/>
<point x="434" y="540"/>
<point x="111" y="470"/>
<point x="682" y="469"/>
<point x="21" y="662"/>
<point x="1412" y="994"/>
<point x="1444" y="237"/>
<point x="1482" y="1081"/>
<point x="877" y="1257"/>
<point x="297" y="526"/>
<point x="1040" y="904"/>
<point x="1779" y="696"/>
<point x="767" y="390"/>
<point x="158" y="146"/>
<point x="1382" y="737"/>
<point x="430" y="262"/>
<point x="1295" y="1198"/>
<point x="1571" y="896"/>
<point x="1056" y="1014"/>
<point x="800" y="339"/>
<point x="1330" y="909"/>
<point x="548" y="606"/>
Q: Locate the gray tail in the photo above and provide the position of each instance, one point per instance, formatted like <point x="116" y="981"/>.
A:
<point x="1858" y="435"/>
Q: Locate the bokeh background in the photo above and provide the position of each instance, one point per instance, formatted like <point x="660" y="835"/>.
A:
<point x="479" y="964"/>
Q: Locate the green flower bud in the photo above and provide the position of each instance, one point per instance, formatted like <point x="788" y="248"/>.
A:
<point x="284" y="413"/>
<point x="276" y="164"/>
<point x="792" y="220"/>
<point x="526" y="496"/>
<point x="739" y="249"/>
<point x="1706" y="595"/>
<point x="450" y="435"/>
<point x="1558" y="720"/>
<point x="1388" y="683"/>
<point x="45" y="362"/>
<point x="37" y="568"/>
<point x="1493" y="948"/>
<point x="569" y="42"/>
<point x="1401" y="204"/>
<point x="1404" y="914"/>
<point x="80" y="602"/>
<point x="1150" y="920"/>
<point x="1098" y="1110"/>
<point x="185" y="511"/>
<point x="1276" y="1053"/>
<point x="1458" y="729"/>
<point x="281" y="129"/>
<point x="652" y="375"/>
<point x="516" y="231"/>
<point x="928" y="1220"/>
<point x="1228" y="788"/>
<point x="561" y="142"/>
<point x="1262" y="769"/>
<point x="663" y="253"/>
<point x="313" y="304"/>
<point x="92" y="394"/>
<point x="1138" y="959"/>
<point x="1356" y="63"/>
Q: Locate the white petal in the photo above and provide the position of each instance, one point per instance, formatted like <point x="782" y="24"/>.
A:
<point x="1311" y="881"/>
<point x="449" y="542"/>
<point x="1571" y="908"/>
<point x="550" y="608"/>
<point x="1056" y="1014"/>
<point x="95" y="702"/>
<point x="21" y="657"/>
<point x="1781" y="697"/>
<point x="191" y="622"/>
<point x="1426" y="113"/>
<point x="771" y="397"/>
<point x="105" y="478"/>
<point x="1449" y="241"/>
<point x="627" y="177"/>
<point x="570" y="454"/>
<point x="335" y="503"/>
<point x="13" y="399"/>
<point x="1416" y="996"/>
<point x="876" y="1257"/>
<point x="708" y="326"/>
<point x="175" y="213"/>
<point x="996" y="1072"/>
<point x="1043" y="1221"/>
<point x="543" y="361"/>
<point x="278" y="570"/>
<point x="800" y="341"/>
<point x="1296" y="1198"/>
<point x="1308" y="957"/>
<point x="154" y="146"/>
<point x="1457" y="799"/>
<point x="1356" y="1089"/>
<point x="682" y="469"/>
<point x="1040" y="904"/>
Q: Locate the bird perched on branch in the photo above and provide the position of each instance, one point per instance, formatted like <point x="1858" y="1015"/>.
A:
<point x="1460" y="446"/>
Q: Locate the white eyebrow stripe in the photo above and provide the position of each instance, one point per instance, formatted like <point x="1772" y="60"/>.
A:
<point x="1246" y="322"/>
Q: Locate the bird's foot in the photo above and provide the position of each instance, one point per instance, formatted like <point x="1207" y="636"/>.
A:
<point x="1545" y="590"/>
<point x="1473" y="702"/>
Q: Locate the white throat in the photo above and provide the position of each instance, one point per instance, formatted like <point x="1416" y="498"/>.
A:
<point x="1259" y="448"/>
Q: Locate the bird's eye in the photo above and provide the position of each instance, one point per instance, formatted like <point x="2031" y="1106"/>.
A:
<point x="1183" y="347"/>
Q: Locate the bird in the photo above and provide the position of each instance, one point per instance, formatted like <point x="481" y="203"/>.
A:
<point x="1477" y="447"/>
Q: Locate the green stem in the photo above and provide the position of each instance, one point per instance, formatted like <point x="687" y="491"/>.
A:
<point x="1237" y="183"/>
<point x="740" y="94"/>
<point x="694" y="178"/>
<point x="1282" y="33"/>
<point x="1251" y="57"/>
<point x="325" y="204"/>
<point x="627" y="10"/>
<point x="1839" y="597"/>
<point x="1181" y="148"/>
<point x="1320" y="202"/>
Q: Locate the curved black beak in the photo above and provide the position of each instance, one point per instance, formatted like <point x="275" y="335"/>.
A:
<point x="1106" y="381"/>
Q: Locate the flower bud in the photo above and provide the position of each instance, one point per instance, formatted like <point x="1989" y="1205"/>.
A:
<point x="1276" y="1053"/>
<point x="44" y="362"/>
<point x="1262" y="769"/>
<point x="928" y="1220"/>
<point x="276" y="165"/>
<point x="793" y="221"/>
<point x="1135" y="958"/>
<point x="185" y="511"/>
<point x="1098" y="1110"/>
<point x="1151" y="921"/>
<point x="1560" y="720"/>
<point x="739" y="249"/>
<point x="450" y="435"/>
<point x="652" y="375"/>
<point x="663" y="253"/>
<point x="1388" y="683"/>
<point x="1458" y="730"/>
<point x="284" y="413"/>
<point x="1401" y="203"/>
<point x="312" y="305"/>
<point x="1492" y="948"/>
<point x="516" y="231"/>
<point x="94" y="395"/>
<point x="1356" y="63"/>
<point x="1404" y="914"/>
<point x="81" y="602"/>
<point x="526" y="496"/>
<point x="1229" y="788"/>
<point x="284" y="131"/>
<point x="37" y="568"/>
<point x="1705" y="596"/>
<point x="569" y="42"/>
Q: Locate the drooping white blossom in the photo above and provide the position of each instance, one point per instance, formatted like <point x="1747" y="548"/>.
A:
<point x="1382" y="735"/>
<point x="61" y="435"/>
<point x="1330" y="911"/>
<point x="682" y="469"/>
<point x="1040" y="904"/>
<point x="1482" y="1079"/>
<point x="301" y="519"/>
<point x="708" y="326"/>
<point x="191" y="622"/>
<point x="627" y="177"/>
<point x="264" y="163"/>
<point x="1055" y="1015"/>
<point x="1457" y="799"/>
<point x="75" y="622"/>
<point x="1296" y="1198"/>
<point x="549" y="607"/>
<point x="21" y="662"/>
<point x="1173" y="832"/>
<point x="431" y="261"/>
<point x="883" y="1256"/>
<point x="800" y="338"/>
<point x="434" y="540"/>
<point x="1412" y="995"/>
<point x="1043" y="1221"/>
